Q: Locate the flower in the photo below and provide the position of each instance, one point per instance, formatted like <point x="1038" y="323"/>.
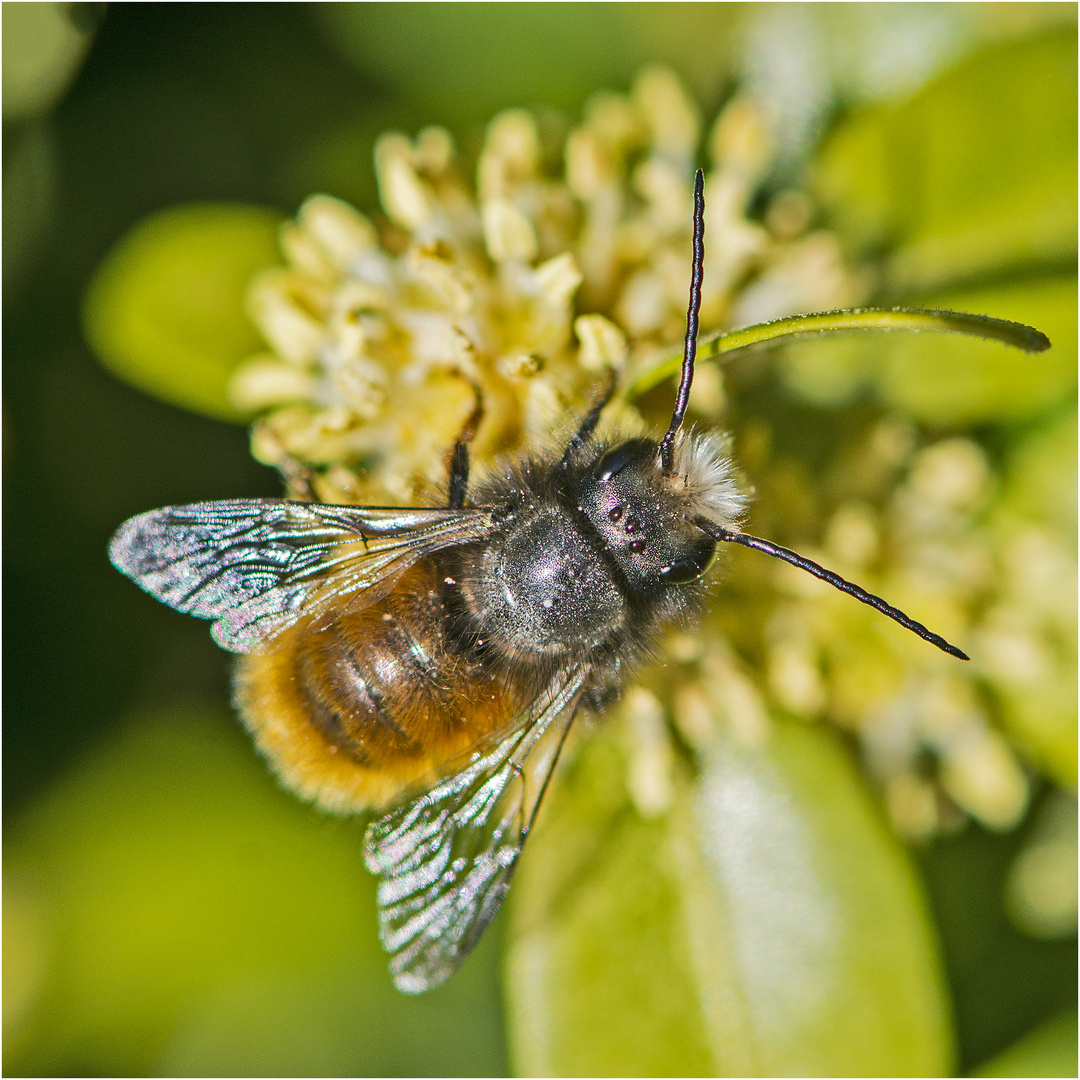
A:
<point x="493" y="311"/>
<point x="498" y="311"/>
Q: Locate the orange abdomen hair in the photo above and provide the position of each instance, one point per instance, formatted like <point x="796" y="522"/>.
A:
<point x="368" y="703"/>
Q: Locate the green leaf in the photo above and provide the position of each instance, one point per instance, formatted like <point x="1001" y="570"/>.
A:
<point x="948" y="379"/>
<point x="767" y="924"/>
<point x="1049" y="1050"/>
<point x="956" y="381"/>
<point x="165" y="311"/>
<point x="1040" y="477"/>
<point x="43" y="47"/>
<point x="524" y="54"/>
<point x="976" y="174"/>
<point x="176" y="914"/>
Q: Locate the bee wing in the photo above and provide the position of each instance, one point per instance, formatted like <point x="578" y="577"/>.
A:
<point x="447" y="857"/>
<point x="254" y="565"/>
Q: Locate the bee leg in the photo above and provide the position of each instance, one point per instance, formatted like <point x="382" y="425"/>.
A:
<point x="588" y="425"/>
<point x="599" y="697"/>
<point x="459" y="459"/>
<point x="459" y="475"/>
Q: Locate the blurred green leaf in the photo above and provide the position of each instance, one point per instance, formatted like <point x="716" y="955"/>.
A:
<point x="941" y="379"/>
<point x="1050" y="1050"/>
<point x="27" y="938"/>
<point x="459" y="64"/>
<point x="1040" y="477"/>
<point x="462" y="63"/>
<point x="43" y="47"/>
<point x="1037" y="510"/>
<point x="953" y="380"/>
<point x="165" y="312"/>
<point x="974" y="175"/>
<point x="30" y="186"/>
<point x="199" y="922"/>
<point x="768" y="924"/>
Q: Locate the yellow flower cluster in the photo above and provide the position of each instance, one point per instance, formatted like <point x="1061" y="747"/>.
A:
<point x="922" y="718"/>
<point x="495" y="313"/>
<point x="496" y="310"/>
<point x="945" y="543"/>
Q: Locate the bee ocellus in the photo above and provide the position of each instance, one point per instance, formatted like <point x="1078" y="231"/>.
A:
<point x="428" y="662"/>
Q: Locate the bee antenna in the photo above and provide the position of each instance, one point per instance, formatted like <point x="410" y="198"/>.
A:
<point x="667" y="446"/>
<point x="719" y="533"/>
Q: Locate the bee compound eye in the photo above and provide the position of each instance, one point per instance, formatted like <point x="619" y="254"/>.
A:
<point x="613" y="461"/>
<point x="690" y="566"/>
<point x="680" y="573"/>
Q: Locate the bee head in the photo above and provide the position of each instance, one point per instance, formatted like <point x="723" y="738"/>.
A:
<point x="661" y="507"/>
<point x="646" y="513"/>
<point x="648" y="500"/>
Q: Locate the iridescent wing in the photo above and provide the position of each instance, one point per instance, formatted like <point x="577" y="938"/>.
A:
<point x="447" y="857"/>
<point x="255" y="565"/>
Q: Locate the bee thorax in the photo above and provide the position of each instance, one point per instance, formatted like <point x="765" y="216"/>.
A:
<point x="543" y="591"/>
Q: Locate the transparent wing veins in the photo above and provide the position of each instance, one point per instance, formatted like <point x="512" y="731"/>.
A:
<point x="254" y="565"/>
<point x="447" y="857"/>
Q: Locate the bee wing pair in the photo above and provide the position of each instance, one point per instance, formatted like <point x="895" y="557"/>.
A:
<point x="255" y="566"/>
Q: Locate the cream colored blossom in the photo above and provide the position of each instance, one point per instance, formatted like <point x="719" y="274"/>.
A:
<point x="1007" y="592"/>
<point x="494" y="310"/>
<point x="501" y="310"/>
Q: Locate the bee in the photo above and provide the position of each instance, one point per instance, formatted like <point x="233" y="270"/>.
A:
<point x="428" y="662"/>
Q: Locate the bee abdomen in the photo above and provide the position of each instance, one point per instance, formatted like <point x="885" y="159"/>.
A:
<point x="364" y="703"/>
<point x="344" y="699"/>
<point x="369" y="684"/>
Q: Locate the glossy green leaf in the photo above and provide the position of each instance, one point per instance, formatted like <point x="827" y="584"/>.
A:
<point x="767" y="924"/>
<point x="1050" y="1050"/>
<point x="950" y="379"/>
<point x="165" y="312"/>
<point x="976" y="174"/>
<point x="176" y="914"/>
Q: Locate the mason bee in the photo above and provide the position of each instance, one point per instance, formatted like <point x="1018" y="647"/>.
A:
<point x="428" y="662"/>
